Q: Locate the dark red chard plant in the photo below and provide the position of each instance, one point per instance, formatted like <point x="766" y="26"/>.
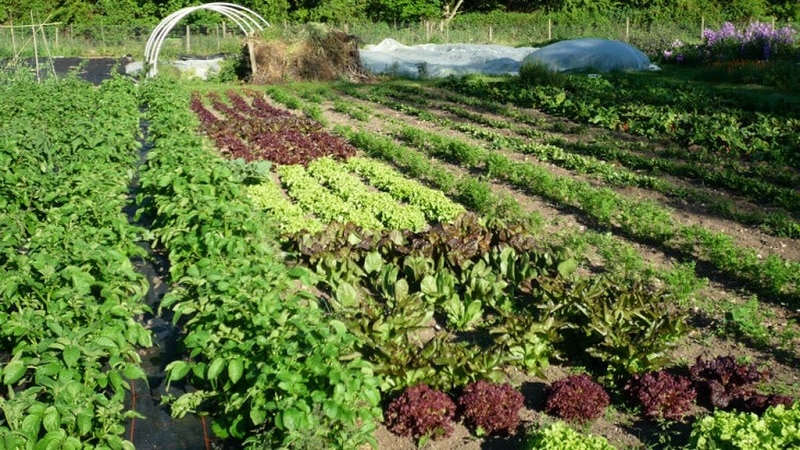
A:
<point x="576" y="398"/>
<point x="421" y="412"/>
<point x="662" y="394"/>
<point x="491" y="408"/>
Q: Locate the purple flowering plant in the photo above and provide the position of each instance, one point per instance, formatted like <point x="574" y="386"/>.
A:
<point x="758" y="41"/>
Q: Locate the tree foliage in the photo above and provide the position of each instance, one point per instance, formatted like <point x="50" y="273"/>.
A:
<point x="122" y="12"/>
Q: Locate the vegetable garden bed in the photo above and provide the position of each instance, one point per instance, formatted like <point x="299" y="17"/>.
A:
<point x="314" y="284"/>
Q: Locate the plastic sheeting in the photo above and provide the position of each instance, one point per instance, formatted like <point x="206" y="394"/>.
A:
<point x="601" y="55"/>
<point x="441" y="60"/>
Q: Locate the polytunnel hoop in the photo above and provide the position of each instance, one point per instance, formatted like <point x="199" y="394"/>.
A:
<point x="246" y="19"/>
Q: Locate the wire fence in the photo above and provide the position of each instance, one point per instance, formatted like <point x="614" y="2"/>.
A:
<point x="56" y="39"/>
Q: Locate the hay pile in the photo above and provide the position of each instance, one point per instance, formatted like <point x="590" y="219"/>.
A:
<point x="323" y="55"/>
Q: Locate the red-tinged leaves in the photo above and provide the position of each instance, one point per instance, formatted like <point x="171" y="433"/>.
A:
<point x="722" y="381"/>
<point x="492" y="408"/>
<point x="421" y="412"/>
<point x="263" y="132"/>
<point x="576" y="398"/>
<point x="662" y="394"/>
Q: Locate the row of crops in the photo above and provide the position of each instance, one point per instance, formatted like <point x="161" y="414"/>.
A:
<point x="320" y="292"/>
<point x="69" y="294"/>
<point x="645" y="221"/>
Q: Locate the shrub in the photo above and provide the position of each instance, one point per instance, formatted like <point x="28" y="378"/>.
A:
<point x="491" y="408"/>
<point x="662" y="394"/>
<point x="421" y="412"/>
<point x="721" y="381"/>
<point x="576" y="398"/>
<point x="778" y="428"/>
<point x="539" y="74"/>
<point x="559" y="436"/>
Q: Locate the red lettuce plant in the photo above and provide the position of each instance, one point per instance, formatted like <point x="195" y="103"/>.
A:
<point x="758" y="403"/>
<point x="421" y="412"/>
<point x="576" y="398"/>
<point x="491" y="408"/>
<point x="722" y="382"/>
<point x="662" y="394"/>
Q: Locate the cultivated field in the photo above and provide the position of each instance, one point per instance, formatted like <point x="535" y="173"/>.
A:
<point x="322" y="247"/>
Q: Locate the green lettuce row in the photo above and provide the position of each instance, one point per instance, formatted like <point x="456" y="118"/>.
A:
<point x="433" y="203"/>
<point x="394" y="215"/>
<point x="560" y="436"/>
<point x="289" y="217"/>
<point x="320" y="201"/>
<point x="778" y="428"/>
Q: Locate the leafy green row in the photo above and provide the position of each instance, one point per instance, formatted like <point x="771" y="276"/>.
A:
<point x="351" y="110"/>
<point x="69" y="294"/>
<point x="476" y="194"/>
<point x="284" y="97"/>
<point x="270" y="366"/>
<point x="644" y="220"/>
<point x="673" y="159"/>
<point x="317" y="199"/>
<point x="691" y="115"/>
<point x="471" y="192"/>
<point x="352" y="189"/>
<point x="778" y="223"/>
<point x="289" y="217"/>
<point x="496" y="280"/>
<point x="434" y="204"/>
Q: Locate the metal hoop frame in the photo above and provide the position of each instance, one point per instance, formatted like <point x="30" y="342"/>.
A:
<point x="246" y="19"/>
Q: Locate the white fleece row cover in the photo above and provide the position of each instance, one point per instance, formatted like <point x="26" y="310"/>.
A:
<point x="441" y="60"/>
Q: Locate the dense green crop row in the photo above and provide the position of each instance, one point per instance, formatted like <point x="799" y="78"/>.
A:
<point x="69" y="294"/>
<point x="603" y="160"/>
<point x="289" y="216"/>
<point x="312" y="196"/>
<point x="269" y="364"/>
<point x="434" y="204"/>
<point x="350" y="187"/>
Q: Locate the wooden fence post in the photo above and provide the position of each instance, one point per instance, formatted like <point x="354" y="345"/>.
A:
<point x="627" y="28"/>
<point x="251" y="50"/>
<point x="188" y="40"/>
<point x="13" y="39"/>
<point x="549" y="29"/>
<point x="702" y="26"/>
<point x="35" y="49"/>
